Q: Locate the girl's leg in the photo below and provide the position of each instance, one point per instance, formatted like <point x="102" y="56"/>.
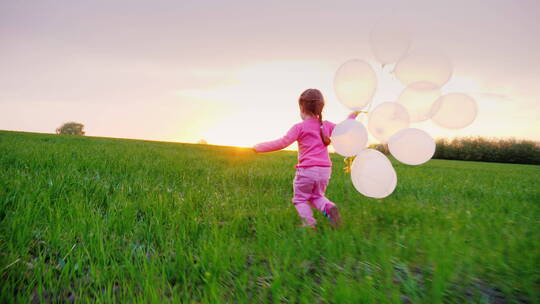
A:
<point x="303" y="186"/>
<point x="318" y="198"/>
<point x="304" y="211"/>
<point x="320" y="201"/>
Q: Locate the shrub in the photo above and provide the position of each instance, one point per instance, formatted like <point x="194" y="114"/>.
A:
<point x="483" y="149"/>
<point x="489" y="150"/>
<point x="71" y="128"/>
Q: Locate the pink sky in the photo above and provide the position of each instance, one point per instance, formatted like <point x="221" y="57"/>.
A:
<point x="231" y="71"/>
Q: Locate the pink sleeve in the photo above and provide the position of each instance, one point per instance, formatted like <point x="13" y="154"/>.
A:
<point x="281" y="143"/>
<point x="330" y="127"/>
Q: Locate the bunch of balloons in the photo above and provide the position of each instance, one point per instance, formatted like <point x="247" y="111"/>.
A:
<point x="422" y="74"/>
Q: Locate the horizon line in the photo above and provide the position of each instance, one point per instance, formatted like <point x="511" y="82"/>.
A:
<point x="241" y="147"/>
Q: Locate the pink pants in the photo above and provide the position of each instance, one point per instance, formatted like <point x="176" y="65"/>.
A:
<point x="309" y="187"/>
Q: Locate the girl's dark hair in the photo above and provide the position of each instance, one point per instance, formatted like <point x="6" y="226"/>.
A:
<point x="311" y="101"/>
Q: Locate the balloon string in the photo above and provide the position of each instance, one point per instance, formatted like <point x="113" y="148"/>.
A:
<point x="349" y="160"/>
<point x="348" y="164"/>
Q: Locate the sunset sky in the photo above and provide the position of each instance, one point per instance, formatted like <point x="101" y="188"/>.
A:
<point x="230" y="72"/>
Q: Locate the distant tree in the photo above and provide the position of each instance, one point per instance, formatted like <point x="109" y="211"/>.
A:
<point x="202" y="142"/>
<point x="71" y="128"/>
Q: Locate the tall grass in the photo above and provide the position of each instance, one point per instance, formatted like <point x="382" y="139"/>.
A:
<point x="104" y="220"/>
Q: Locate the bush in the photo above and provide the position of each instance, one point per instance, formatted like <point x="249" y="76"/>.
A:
<point x="489" y="150"/>
<point x="481" y="149"/>
<point x="71" y="128"/>
<point x="383" y="148"/>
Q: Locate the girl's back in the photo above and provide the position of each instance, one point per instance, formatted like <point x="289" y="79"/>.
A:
<point x="311" y="149"/>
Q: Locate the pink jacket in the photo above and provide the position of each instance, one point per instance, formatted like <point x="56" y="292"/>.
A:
<point x="311" y="149"/>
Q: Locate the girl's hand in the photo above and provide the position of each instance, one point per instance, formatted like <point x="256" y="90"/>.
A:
<point x="356" y="113"/>
<point x="353" y="115"/>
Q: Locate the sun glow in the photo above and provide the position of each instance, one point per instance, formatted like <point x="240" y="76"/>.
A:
<point x="258" y="103"/>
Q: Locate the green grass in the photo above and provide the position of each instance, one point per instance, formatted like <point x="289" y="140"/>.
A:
<point x="103" y="220"/>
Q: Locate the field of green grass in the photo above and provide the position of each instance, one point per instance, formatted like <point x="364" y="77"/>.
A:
<point x="105" y="220"/>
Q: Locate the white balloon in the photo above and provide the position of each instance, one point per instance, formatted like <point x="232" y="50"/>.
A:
<point x="454" y="111"/>
<point x="424" y="65"/>
<point x="386" y="119"/>
<point x="349" y="137"/>
<point x="418" y="99"/>
<point x="372" y="174"/>
<point x="412" y="146"/>
<point x="355" y="83"/>
<point x="389" y="41"/>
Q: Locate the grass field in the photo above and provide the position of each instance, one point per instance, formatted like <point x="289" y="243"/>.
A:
<point x="95" y="219"/>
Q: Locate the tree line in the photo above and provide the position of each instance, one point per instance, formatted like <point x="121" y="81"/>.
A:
<point x="516" y="151"/>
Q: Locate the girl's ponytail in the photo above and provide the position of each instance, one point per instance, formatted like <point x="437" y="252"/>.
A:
<point x="325" y="139"/>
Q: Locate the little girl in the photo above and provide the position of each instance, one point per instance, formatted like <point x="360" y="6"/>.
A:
<point x="314" y="166"/>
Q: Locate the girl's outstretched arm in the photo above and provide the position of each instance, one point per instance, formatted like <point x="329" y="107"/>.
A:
<point x="281" y="143"/>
